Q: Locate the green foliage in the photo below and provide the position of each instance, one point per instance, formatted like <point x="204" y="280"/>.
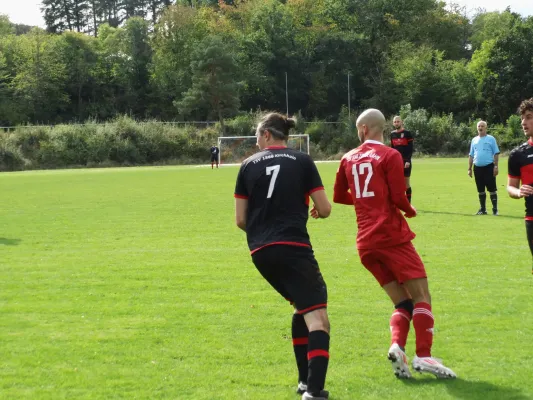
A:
<point x="215" y="59"/>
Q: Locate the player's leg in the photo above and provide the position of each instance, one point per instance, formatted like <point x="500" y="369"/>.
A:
<point x="269" y="262"/>
<point x="529" y="232"/>
<point x="407" y="176"/>
<point x="305" y="284"/>
<point x="400" y="322"/>
<point x="480" y="185"/>
<point x="492" y="189"/>
<point x="409" y="269"/>
<point x="401" y="317"/>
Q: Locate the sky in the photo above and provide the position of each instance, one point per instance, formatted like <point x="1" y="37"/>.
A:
<point x="28" y="11"/>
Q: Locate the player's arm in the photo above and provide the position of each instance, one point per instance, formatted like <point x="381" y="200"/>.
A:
<point x="241" y="200"/>
<point x="409" y="148"/>
<point x="321" y="205"/>
<point x="396" y="184"/>
<point x="314" y="186"/>
<point x="241" y="209"/>
<point x="513" y="180"/>
<point x="341" y="189"/>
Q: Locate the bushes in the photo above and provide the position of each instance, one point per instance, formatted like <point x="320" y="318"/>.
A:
<point x="121" y="142"/>
<point x="127" y="142"/>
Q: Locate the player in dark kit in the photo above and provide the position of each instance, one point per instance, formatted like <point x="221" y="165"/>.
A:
<point x="402" y="140"/>
<point x="272" y="206"/>
<point x="520" y="169"/>
<point x="370" y="178"/>
<point x="214" y="156"/>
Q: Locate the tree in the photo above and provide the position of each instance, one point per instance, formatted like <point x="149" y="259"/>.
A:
<point x="214" y="90"/>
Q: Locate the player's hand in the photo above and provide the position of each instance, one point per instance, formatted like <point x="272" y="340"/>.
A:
<point x="314" y="213"/>
<point x="407" y="164"/>
<point x="526" y="190"/>
<point x="470" y="173"/>
<point x="495" y="170"/>
<point x="411" y="214"/>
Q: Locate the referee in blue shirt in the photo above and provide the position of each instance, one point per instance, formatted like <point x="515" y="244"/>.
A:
<point x="484" y="154"/>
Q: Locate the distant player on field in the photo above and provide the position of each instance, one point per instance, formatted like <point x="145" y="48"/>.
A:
<point x="521" y="169"/>
<point x="369" y="177"/>
<point x="214" y="156"/>
<point x="484" y="154"/>
<point x="402" y="140"/>
<point x="272" y="207"/>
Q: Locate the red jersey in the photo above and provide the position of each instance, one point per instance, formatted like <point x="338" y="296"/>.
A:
<point x="373" y="174"/>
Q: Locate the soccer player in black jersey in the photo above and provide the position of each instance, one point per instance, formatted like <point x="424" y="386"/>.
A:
<point x="402" y="140"/>
<point x="521" y="168"/>
<point x="214" y="155"/>
<point x="272" y="206"/>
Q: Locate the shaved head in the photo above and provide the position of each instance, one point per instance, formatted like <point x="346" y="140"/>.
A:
<point x="372" y="118"/>
<point x="370" y="124"/>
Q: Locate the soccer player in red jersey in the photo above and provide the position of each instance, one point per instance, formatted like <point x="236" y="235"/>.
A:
<point x="520" y="168"/>
<point x="370" y="177"/>
<point x="272" y="206"/>
<point x="402" y="140"/>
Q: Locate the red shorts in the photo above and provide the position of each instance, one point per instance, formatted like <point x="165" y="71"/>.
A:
<point x="397" y="263"/>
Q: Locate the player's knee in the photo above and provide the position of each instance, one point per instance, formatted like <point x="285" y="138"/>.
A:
<point x="406" y="305"/>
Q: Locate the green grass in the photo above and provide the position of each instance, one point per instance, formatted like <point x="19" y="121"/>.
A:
<point x="135" y="284"/>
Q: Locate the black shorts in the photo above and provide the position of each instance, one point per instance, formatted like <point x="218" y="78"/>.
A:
<point x="214" y="158"/>
<point x="293" y="271"/>
<point x="485" y="178"/>
<point x="407" y="171"/>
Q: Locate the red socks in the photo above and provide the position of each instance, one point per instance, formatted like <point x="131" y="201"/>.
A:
<point x="423" y="323"/>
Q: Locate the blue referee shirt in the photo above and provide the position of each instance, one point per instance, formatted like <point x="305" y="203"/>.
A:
<point x="483" y="149"/>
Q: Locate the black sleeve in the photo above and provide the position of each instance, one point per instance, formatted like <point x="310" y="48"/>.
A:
<point x="314" y="182"/>
<point x="410" y="146"/>
<point x="513" y="164"/>
<point x="241" y="191"/>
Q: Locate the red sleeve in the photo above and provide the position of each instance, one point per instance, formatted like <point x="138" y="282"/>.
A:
<point x="341" y="194"/>
<point x="396" y="182"/>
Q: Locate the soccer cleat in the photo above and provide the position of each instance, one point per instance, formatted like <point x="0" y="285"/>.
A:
<point x="302" y="388"/>
<point x="322" y="395"/>
<point x="495" y="212"/>
<point x="399" y="361"/>
<point x="433" y="366"/>
<point x="481" y="212"/>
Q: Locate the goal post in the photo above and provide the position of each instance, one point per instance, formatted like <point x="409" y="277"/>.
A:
<point x="236" y="149"/>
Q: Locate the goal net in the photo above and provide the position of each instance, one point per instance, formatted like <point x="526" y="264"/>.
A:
<point x="236" y="149"/>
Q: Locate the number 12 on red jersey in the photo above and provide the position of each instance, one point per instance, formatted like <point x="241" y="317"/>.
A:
<point x="360" y="170"/>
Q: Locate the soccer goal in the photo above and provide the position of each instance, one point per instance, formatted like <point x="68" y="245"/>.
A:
<point x="236" y="149"/>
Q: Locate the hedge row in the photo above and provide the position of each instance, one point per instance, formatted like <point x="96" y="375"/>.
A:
<point x="127" y="142"/>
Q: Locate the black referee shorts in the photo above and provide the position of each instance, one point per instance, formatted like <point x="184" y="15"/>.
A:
<point x="293" y="271"/>
<point x="214" y="158"/>
<point x="485" y="178"/>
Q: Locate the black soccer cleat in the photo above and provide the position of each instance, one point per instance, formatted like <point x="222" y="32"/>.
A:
<point x="495" y="212"/>
<point x="481" y="212"/>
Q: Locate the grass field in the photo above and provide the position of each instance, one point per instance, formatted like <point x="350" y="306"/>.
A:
<point x="135" y="284"/>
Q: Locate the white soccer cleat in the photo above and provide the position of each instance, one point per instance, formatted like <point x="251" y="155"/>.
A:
<point x="433" y="366"/>
<point x="400" y="364"/>
<point x="302" y="388"/>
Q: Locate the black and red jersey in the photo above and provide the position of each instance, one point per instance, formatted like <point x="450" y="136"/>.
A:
<point x="402" y="140"/>
<point x="520" y="166"/>
<point x="277" y="183"/>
